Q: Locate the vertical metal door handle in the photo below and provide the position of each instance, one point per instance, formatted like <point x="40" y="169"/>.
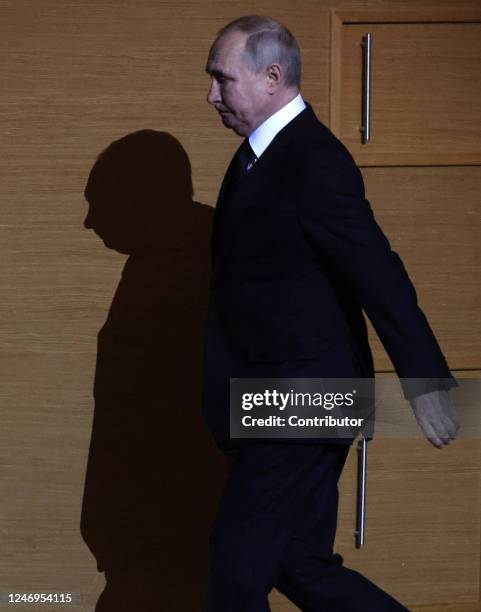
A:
<point x="366" y="88"/>
<point x="361" y="492"/>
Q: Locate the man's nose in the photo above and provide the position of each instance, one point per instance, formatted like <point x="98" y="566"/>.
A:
<point x="213" y="95"/>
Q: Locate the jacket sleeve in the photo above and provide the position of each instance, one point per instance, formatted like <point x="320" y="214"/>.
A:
<point x="339" y="224"/>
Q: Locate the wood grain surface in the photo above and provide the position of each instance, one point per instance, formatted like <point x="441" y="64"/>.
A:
<point x="75" y="77"/>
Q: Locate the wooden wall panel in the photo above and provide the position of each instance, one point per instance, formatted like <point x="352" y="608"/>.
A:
<point x="432" y="218"/>
<point x="424" y="81"/>
<point x="75" y="76"/>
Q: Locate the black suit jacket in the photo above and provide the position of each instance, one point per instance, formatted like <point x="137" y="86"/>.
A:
<point x="297" y="256"/>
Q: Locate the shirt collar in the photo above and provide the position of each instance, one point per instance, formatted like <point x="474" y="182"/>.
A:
<point x="262" y="136"/>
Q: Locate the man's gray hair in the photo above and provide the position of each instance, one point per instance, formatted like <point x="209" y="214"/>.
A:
<point x="268" y="42"/>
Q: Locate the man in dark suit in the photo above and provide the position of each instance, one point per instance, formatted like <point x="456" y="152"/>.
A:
<point x="297" y="257"/>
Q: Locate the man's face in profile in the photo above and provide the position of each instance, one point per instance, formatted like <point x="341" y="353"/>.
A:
<point x="240" y="96"/>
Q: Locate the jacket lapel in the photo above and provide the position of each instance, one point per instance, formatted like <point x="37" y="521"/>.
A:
<point x="267" y="166"/>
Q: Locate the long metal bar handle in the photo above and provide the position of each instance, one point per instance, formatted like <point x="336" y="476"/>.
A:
<point x="366" y="88"/>
<point x="361" y="492"/>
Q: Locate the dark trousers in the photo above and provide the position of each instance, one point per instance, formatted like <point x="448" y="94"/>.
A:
<point x="275" y="527"/>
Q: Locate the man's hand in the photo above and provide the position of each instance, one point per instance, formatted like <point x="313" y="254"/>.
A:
<point x="437" y="417"/>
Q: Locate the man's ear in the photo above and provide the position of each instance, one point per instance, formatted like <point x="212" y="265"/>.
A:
<point x="274" y="76"/>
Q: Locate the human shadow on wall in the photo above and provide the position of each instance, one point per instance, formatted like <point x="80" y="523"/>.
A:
<point x="154" y="476"/>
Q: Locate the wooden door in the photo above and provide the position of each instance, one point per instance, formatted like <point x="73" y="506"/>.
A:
<point x="425" y="92"/>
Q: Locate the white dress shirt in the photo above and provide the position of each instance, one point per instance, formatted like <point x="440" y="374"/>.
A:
<point x="262" y="136"/>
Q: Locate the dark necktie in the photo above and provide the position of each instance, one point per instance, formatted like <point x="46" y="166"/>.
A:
<point x="241" y="164"/>
<point x="239" y="167"/>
